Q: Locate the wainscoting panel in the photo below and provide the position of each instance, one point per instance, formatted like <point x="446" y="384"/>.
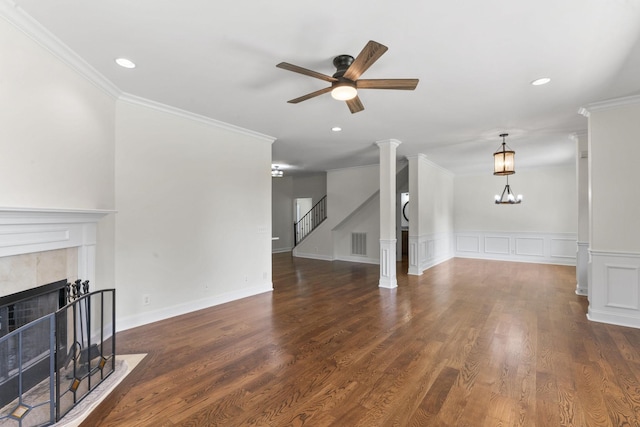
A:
<point x="614" y="296"/>
<point x="497" y="245"/>
<point x="622" y="286"/>
<point x="563" y="248"/>
<point x="467" y="243"/>
<point x="545" y="248"/>
<point x="529" y="246"/>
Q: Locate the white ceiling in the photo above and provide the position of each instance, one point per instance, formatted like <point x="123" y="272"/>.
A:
<point x="475" y="61"/>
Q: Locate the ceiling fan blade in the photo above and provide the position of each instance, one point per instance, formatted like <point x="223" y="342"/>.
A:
<point x="399" y="84"/>
<point x="355" y="105"/>
<point x="296" y="69"/>
<point x="365" y="59"/>
<point x="310" y="95"/>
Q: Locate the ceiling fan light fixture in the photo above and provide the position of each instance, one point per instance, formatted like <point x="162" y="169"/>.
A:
<point x="344" y="91"/>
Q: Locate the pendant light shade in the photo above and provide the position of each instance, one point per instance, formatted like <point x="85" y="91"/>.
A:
<point x="504" y="160"/>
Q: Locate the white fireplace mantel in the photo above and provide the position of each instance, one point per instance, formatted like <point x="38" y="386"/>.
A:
<point x="30" y="230"/>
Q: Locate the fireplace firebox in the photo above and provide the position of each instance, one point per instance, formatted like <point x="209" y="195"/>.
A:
<point x="17" y="310"/>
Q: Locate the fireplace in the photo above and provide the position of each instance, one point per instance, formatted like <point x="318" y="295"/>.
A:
<point x="40" y="250"/>
<point x="20" y="309"/>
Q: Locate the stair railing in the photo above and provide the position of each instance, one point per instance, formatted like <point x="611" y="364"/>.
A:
<point x="310" y="221"/>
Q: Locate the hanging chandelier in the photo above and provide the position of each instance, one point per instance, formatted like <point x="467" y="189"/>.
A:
<point x="276" y="172"/>
<point x="504" y="164"/>
<point x="507" y="197"/>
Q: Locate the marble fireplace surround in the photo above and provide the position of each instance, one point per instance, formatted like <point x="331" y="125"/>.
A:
<point x="33" y="238"/>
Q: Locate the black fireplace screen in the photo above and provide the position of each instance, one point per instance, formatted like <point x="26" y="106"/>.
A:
<point x="60" y="360"/>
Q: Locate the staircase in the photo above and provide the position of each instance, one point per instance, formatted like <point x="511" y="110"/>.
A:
<point x="310" y="221"/>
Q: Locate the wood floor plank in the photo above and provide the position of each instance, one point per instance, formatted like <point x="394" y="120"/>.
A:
<point x="468" y="343"/>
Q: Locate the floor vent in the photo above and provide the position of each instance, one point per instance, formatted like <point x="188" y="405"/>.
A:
<point x="358" y="243"/>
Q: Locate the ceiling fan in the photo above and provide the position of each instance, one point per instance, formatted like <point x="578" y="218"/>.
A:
<point x="345" y="81"/>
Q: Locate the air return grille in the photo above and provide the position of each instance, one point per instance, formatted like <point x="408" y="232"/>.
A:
<point x="358" y="243"/>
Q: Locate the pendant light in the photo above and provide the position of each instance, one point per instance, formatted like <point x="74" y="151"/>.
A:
<point x="504" y="164"/>
<point x="507" y="197"/>
<point x="504" y="160"/>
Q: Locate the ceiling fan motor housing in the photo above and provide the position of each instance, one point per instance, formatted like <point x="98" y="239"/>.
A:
<point x="342" y="63"/>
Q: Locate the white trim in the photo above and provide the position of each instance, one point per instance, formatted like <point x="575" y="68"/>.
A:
<point x="615" y="253"/>
<point x="309" y="255"/>
<point x="614" y="288"/>
<point x="31" y="230"/>
<point x="429" y="250"/>
<point x="392" y="142"/>
<point x="132" y="321"/>
<point x="356" y="258"/>
<point x="281" y="250"/>
<point x="424" y="158"/>
<point x="158" y="106"/>
<point x="24" y="22"/>
<point x="542" y="248"/>
<point x="582" y="269"/>
<point x="388" y="278"/>
<point x="609" y="104"/>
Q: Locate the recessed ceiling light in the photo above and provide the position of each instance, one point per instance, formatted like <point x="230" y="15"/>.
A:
<point x="125" y="63"/>
<point x="542" y="81"/>
<point x="336" y="128"/>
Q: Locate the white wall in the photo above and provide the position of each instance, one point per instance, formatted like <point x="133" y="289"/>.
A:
<point x="541" y="229"/>
<point x="347" y="189"/>
<point x="282" y="213"/>
<point x="365" y="219"/>
<point x="285" y="190"/>
<point x="313" y="186"/>
<point x="431" y="195"/>
<point x="582" y="177"/>
<point x="57" y="138"/>
<point x="549" y="203"/>
<point x="194" y="214"/>
<point x="614" y="212"/>
<point x="614" y="150"/>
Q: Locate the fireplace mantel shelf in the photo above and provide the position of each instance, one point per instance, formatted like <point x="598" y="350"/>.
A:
<point x="17" y="216"/>
<point x="29" y="230"/>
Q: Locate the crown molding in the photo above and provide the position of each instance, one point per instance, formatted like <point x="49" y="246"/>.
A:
<point x="143" y="102"/>
<point x="609" y="104"/>
<point x="421" y="157"/>
<point x="21" y="20"/>
<point x="391" y="142"/>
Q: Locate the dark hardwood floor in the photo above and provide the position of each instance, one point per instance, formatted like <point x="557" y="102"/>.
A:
<point x="468" y="343"/>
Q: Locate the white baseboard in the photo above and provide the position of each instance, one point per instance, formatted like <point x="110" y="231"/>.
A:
<point x="128" y="322"/>
<point x="428" y="250"/>
<point x="281" y="250"/>
<point x="362" y="259"/>
<point x="320" y="257"/>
